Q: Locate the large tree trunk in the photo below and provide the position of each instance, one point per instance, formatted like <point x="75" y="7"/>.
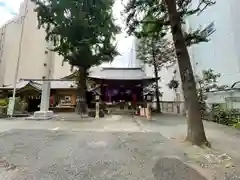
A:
<point x="195" y="132"/>
<point x="81" y="91"/>
<point x="157" y="90"/>
<point x="156" y="80"/>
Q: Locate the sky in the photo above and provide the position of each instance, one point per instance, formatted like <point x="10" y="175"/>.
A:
<point x="10" y="8"/>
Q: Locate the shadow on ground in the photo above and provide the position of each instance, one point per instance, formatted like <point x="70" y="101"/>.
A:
<point x="169" y="168"/>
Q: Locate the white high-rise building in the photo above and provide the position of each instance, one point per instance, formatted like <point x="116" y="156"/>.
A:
<point x="32" y="54"/>
<point x="221" y="53"/>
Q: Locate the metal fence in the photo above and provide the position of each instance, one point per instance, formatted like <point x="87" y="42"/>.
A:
<point x="173" y="107"/>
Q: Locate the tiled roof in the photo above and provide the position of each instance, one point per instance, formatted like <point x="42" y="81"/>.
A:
<point x="22" y="84"/>
<point x="63" y="84"/>
<point x="96" y="73"/>
<point x="119" y="74"/>
<point x="54" y="85"/>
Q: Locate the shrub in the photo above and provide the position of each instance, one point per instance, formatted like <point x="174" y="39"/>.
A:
<point x="18" y="104"/>
<point x="237" y="125"/>
<point x="224" y="116"/>
<point x="3" y="102"/>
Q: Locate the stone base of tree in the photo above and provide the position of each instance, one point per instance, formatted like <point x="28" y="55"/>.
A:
<point x="42" y="115"/>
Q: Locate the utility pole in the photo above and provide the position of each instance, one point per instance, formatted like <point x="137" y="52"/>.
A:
<point x="2" y="39"/>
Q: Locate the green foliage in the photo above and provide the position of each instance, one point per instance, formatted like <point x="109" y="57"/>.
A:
<point x="156" y="52"/>
<point x="168" y="16"/>
<point x="207" y="82"/>
<point x="224" y="116"/>
<point x="237" y="125"/>
<point x="173" y="84"/>
<point x="82" y="31"/>
<point x="152" y="88"/>
<point x="18" y="104"/>
<point x="3" y="102"/>
<point x="154" y="14"/>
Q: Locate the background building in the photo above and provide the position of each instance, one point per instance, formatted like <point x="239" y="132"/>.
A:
<point x="221" y="23"/>
<point x="32" y="54"/>
<point x="221" y="53"/>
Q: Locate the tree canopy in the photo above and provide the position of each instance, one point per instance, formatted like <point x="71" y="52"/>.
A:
<point x="154" y="14"/>
<point x="82" y="31"/>
<point x="208" y="81"/>
<point x="159" y="52"/>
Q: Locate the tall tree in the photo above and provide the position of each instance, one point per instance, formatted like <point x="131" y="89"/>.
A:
<point x="157" y="53"/>
<point x="82" y="32"/>
<point x="171" y="14"/>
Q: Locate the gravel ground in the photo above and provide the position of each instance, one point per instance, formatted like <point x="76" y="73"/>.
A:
<point x="117" y="147"/>
<point x="61" y="155"/>
<point x="222" y="160"/>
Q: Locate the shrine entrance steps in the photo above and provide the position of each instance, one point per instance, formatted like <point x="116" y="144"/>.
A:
<point x="118" y="111"/>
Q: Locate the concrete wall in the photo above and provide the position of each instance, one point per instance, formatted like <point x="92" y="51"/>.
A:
<point x="33" y="49"/>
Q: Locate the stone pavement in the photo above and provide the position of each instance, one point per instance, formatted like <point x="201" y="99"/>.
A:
<point x="116" y="147"/>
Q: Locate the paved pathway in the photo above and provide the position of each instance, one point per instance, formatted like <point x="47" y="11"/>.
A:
<point x="117" y="147"/>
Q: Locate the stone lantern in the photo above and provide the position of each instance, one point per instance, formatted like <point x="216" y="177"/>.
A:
<point x="97" y="100"/>
<point x="149" y="98"/>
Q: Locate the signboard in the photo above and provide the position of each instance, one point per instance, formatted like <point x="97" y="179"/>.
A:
<point x="10" y="107"/>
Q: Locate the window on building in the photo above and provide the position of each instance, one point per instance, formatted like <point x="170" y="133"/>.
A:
<point x="63" y="100"/>
<point x="207" y="31"/>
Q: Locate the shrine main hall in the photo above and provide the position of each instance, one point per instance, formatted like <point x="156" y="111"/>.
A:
<point x="115" y="86"/>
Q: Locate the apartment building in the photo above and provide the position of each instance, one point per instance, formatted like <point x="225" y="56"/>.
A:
<point x="21" y="40"/>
